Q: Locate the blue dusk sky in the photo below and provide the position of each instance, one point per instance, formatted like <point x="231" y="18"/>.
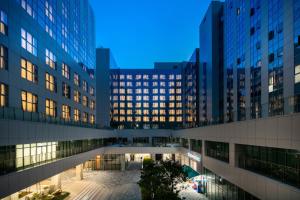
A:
<point x="141" y="32"/>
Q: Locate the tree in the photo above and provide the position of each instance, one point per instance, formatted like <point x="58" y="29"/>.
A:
<point x="158" y="179"/>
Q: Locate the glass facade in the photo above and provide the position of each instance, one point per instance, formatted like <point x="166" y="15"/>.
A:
<point x="297" y="54"/>
<point x="196" y="145"/>
<point x="280" y="164"/>
<point x="275" y="57"/>
<point x="217" y="150"/>
<point x="218" y="188"/>
<point x="150" y="98"/>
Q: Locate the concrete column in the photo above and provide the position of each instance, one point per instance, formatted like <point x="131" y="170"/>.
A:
<point x="56" y="181"/>
<point x="153" y="156"/>
<point x="79" y="172"/>
<point x="122" y="159"/>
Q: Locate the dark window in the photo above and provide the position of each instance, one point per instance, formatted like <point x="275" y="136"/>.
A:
<point x="271" y="57"/>
<point x="271" y="35"/>
<point x="238" y="61"/>
<point x="3" y="57"/>
<point x="217" y="150"/>
<point x="66" y="91"/>
<point x="252" y="11"/>
<point x="252" y="30"/>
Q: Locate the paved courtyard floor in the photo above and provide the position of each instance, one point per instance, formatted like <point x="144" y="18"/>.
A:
<point x="105" y="185"/>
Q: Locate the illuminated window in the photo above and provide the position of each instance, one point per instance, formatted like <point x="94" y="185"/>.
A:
<point x="146" y="98"/>
<point x="138" y="91"/>
<point x="50" y="82"/>
<point x="76" y="96"/>
<point x="138" y="98"/>
<point x="171" y="76"/>
<point x="129" y="77"/>
<point x="171" y="84"/>
<point x="138" y="76"/>
<point x="115" y="91"/>
<point x="84" y="117"/>
<point x="146" y="84"/>
<point x="146" y="119"/>
<point x="122" y="84"/>
<point x="76" y="115"/>
<point x="172" y="119"/>
<point x="171" y="105"/>
<point x="92" y="119"/>
<point x="162" y="98"/>
<point x="115" y="98"/>
<point x="28" y="42"/>
<point x="146" y="105"/>
<point x="92" y="105"/>
<point x="155" y="119"/>
<point x="178" y="77"/>
<point x="50" y="108"/>
<point x="3" y="57"/>
<point x="162" y="76"/>
<point x="66" y="91"/>
<point x="29" y="71"/>
<point x="122" y="98"/>
<point x="129" y="98"/>
<point x="162" y="105"/>
<point x="178" y="84"/>
<point x="172" y="112"/>
<point x="162" y="91"/>
<point x="154" y="84"/>
<point x="122" y="91"/>
<point x="122" y="77"/>
<point x="155" y="112"/>
<point x="138" y="105"/>
<point x="178" y="98"/>
<point x="122" y="119"/>
<point x="84" y="85"/>
<point x="162" y="112"/>
<point x="3" y="95"/>
<point x="115" y="119"/>
<point x="154" y="91"/>
<point x="146" y="91"/>
<point x="171" y="91"/>
<point x="65" y="71"/>
<point x="129" y="91"/>
<point x="122" y="105"/>
<point x="297" y="74"/>
<point x="3" y="23"/>
<point x="129" y="84"/>
<point x="138" y="112"/>
<point x="138" y="84"/>
<point x="145" y="77"/>
<point x="155" y="98"/>
<point x="65" y="112"/>
<point x="178" y="112"/>
<point x="49" y="11"/>
<point x="92" y="91"/>
<point x="146" y="112"/>
<point x="178" y="105"/>
<point x="129" y="119"/>
<point x="178" y="119"/>
<point x="178" y="91"/>
<point x="162" y="84"/>
<point x="122" y="112"/>
<point x="155" y="77"/>
<point x="50" y="59"/>
<point x="27" y="6"/>
<point x="29" y="102"/>
<point x="155" y="105"/>
<point x="85" y="101"/>
<point x="162" y="119"/>
<point x="76" y="79"/>
<point x="129" y="105"/>
<point x="138" y="119"/>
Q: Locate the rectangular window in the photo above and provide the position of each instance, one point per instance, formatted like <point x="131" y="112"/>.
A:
<point x="84" y="85"/>
<point x="92" y="91"/>
<point x="28" y="42"/>
<point x="92" y="105"/>
<point x="50" y="82"/>
<point x="85" y="101"/>
<point x="3" y="57"/>
<point x="76" y="79"/>
<point x="65" y="112"/>
<point x="84" y="117"/>
<point x="76" y="96"/>
<point x="66" y="91"/>
<point x="29" y="71"/>
<point x="217" y="150"/>
<point x="76" y="115"/>
<point x="3" y="23"/>
<point x="29" y="102"/>
<point x="28" y="7"/>
<point x="3" y="95"/>
<point x="50" y="108"/>
<point x="65" y="71"/>
<point x="50" y="59"/>
<point x="49" y="11"/>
